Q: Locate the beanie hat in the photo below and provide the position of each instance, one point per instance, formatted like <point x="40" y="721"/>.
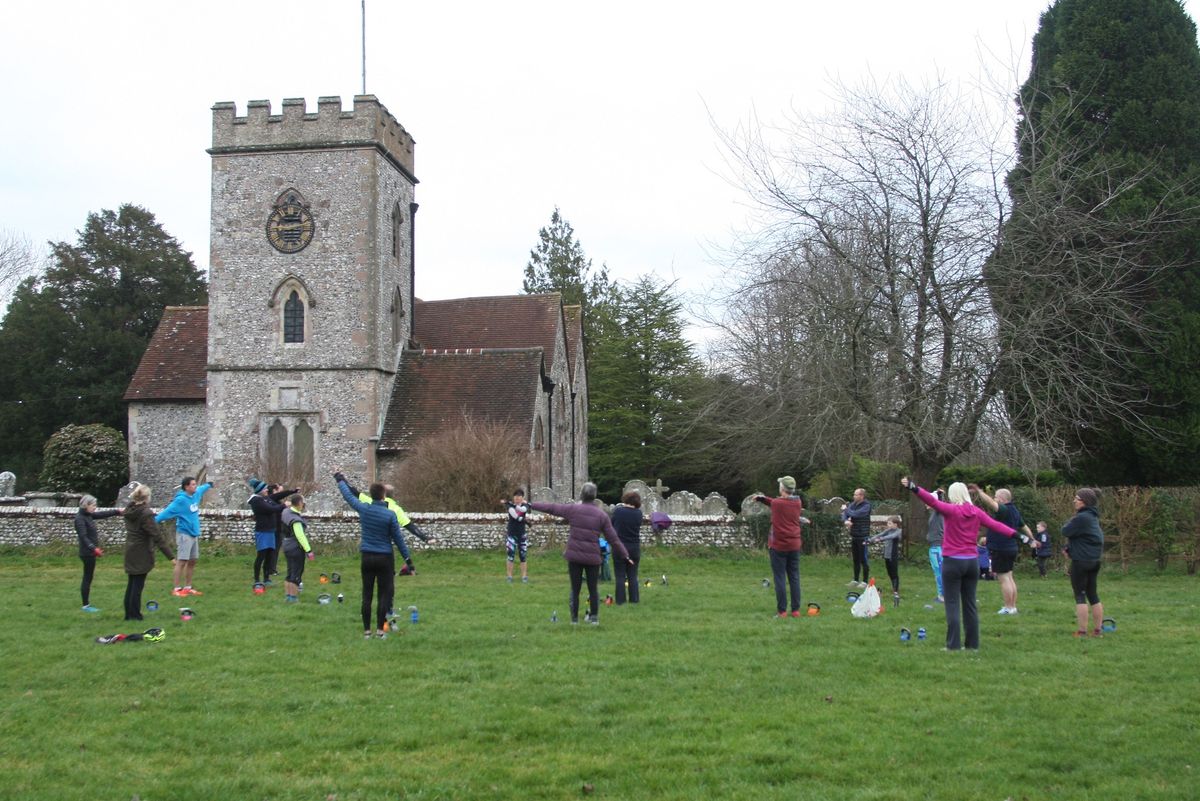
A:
<point x="788" y="482"/>
<point x="256" y="486"/>
<point x="1088" y="496"/>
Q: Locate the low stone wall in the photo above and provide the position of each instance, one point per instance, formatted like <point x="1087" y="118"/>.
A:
<point x="26" y="526"/>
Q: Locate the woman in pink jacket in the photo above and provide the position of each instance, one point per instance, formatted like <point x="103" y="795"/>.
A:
<point x="960" y="559"/>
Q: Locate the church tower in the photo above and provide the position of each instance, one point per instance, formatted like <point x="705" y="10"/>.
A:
<point x="310" y="287"/>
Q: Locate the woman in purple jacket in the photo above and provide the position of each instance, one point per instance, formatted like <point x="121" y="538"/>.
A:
<point x="588" y="523"/>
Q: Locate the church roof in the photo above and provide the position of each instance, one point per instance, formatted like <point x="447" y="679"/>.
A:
<point x="435" y="389"/>
<point x="573" y="317"/>
<point x="504" y="321"/>
<point x="174" y="366"/>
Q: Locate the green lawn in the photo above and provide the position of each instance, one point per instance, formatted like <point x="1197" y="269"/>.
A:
<point x="698" y="692"/>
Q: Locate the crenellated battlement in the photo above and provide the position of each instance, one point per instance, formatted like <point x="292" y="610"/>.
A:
<point x="369" y="123"/>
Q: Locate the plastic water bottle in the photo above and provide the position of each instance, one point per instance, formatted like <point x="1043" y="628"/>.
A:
<point x="554" y="616"/>
<point x="921" y="633"/>
<point x="413" y="614"/>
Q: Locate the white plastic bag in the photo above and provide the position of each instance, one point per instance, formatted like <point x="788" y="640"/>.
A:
<point x="868" y="604"/>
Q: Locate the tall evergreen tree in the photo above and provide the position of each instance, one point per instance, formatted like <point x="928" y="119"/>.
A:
<point x="1105" y="188"/>
<point x="71" y="338"/>
<point x="558" y="264"/>
<point x="642" y="370"/>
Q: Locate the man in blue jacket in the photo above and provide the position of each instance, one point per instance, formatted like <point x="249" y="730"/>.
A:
<point x="380" y="530"/>
<point x="184" y="509"/>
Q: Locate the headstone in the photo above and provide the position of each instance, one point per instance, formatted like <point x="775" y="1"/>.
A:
<point x="650" y="501"/>
<point x="714" y="504"/>
<point x="753" y="507"/>
<point x="544" y="495"/>
<point x="8" y="484"/>
<point x="682" y="503"/>
<point x="123" y="494"/>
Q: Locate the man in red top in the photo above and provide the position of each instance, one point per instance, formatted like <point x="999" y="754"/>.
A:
<point x="785" y="542"/>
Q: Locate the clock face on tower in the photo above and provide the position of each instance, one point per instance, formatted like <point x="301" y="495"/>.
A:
<point x="290" y="225"/>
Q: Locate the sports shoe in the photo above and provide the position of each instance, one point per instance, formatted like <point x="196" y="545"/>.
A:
<point x="89" y="608"/>
<point x="941" y="599"/>
<point x="192" y="591"/>
<point x="381" y="635"/>
<point x="266" y="583"/>
<point x="1079" y="634"/>
<point x="862" y="585"/>
<point x="781" y="614"/>
<point x="1012" y="610"/>
<point x="179" y="592"/>
<point x="1097" y="633"/>
<point x="1004" y="610"/>
<point x="796" y="613"/>
<point x="366" y="635"/>
<point x="510" y="579"/>
<point x="850" y="585"/>
<point x="524" y="579"/>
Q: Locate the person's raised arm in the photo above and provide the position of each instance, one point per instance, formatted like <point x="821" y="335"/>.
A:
<point x="988" y="500"/>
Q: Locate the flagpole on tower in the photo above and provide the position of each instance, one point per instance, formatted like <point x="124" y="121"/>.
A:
<point x="364" y="45"/>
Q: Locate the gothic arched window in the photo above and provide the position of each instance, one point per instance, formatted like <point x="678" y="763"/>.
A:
<point x="293" y="318"/>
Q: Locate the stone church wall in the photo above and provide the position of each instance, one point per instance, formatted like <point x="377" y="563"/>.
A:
<point x="166" y="442"/>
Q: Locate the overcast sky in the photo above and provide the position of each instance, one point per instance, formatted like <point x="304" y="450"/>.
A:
<point x="606" y="110"/>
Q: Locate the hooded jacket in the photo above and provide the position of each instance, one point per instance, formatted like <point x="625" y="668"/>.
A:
<point x="1085" y="538"/>
<point x="142" y="536"/>
<point x="185" y="509"/>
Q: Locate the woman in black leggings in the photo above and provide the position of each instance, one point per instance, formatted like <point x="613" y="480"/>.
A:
<point x="89" y="544"/>
<point x="1085" y="546"/>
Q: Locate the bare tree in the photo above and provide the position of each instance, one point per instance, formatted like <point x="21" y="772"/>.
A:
<point x="880" y="223"/>
<point x="19" y="259"/>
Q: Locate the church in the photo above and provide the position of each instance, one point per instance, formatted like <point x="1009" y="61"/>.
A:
<point x="314" y="354"/>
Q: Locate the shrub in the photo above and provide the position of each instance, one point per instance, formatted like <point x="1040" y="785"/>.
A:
<point x="468" y="468"/>
<point x="998" y="475"/>
<point x="91" y="459"/>
<point x="879" y="479"/>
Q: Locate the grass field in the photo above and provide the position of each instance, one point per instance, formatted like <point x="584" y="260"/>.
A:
<point x="698" y="692"/>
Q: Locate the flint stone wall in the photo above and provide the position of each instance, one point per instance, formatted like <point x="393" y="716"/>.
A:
<point x="28" y="526"/>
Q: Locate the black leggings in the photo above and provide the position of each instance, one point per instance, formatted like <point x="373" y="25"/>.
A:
<point x="858" y="549"/>
<point x="623" y="571"/>
<point x="133" y="595"/>
<point x="893" y="570"/>
<point x="1083" y="581"/>
<point x="262" y="562"/>
<point x="381" y="568"/>
<point x="89" y="570"/>
<point x="576" y="570"/>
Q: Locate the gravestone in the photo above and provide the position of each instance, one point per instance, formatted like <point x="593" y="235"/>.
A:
<point x="8" y="484"/>
<point x="682" y="503"/>
<point x="714" y="504"/>
<point x="753" y="507"/>
<point x="650" y="501"/>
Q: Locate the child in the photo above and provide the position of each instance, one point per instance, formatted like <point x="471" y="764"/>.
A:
<point x="1042" y="548"/>
<point x="515" y="542"/>
<point x="985" y="562"/>
<point x="891" y="552"/>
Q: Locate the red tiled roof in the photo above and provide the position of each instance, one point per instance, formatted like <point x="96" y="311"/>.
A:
<point x="435" y="389"/>
<point x="174" y="366"/>
<point x="505" y="321"/>
<point x="573" y="319"/>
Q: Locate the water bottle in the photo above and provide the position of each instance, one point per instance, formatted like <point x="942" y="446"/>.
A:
<point x="554" y="616"/>
<point x="413" y="614"/>
<point x="921" y="633"/>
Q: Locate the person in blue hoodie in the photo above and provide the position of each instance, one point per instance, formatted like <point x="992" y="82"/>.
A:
<point x="380" y="530"/>
<point x="184" y="509"/>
